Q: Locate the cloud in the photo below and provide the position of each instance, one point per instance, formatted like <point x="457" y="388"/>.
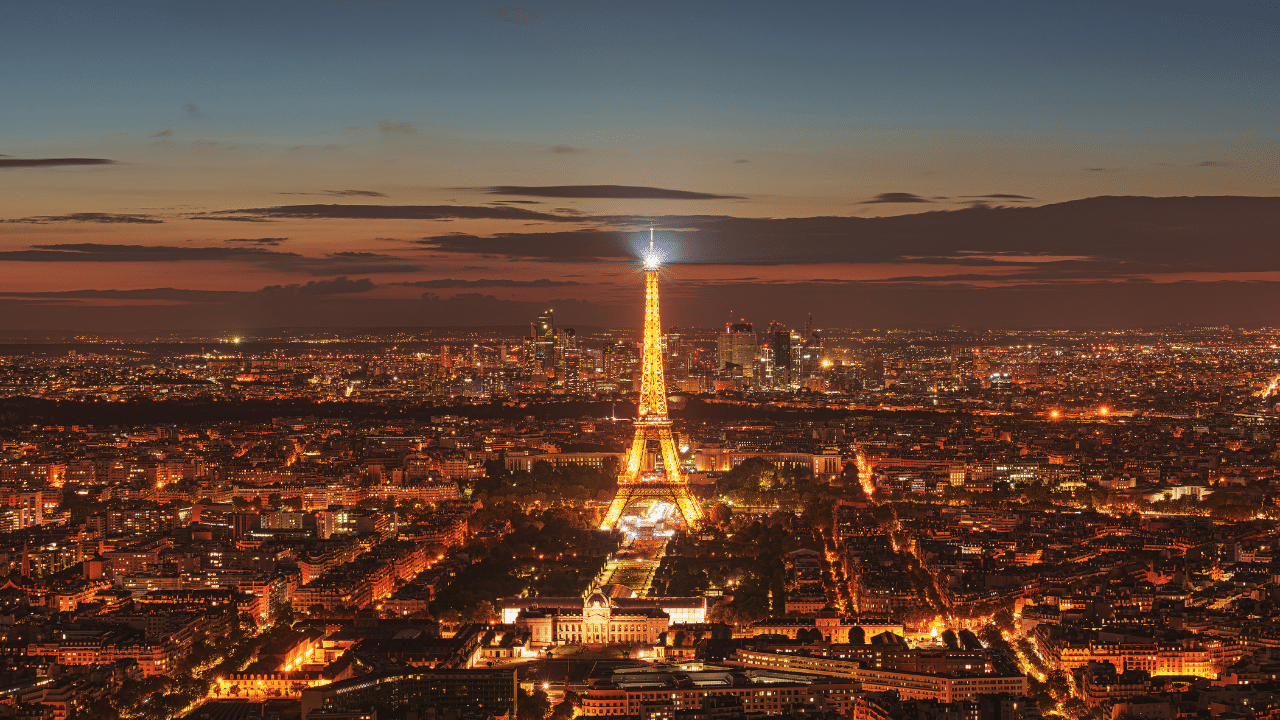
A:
<point x="340" y="263"/>
<point x="450" y="283"/>
<point x="106" y="218"/>
<point x="272" y="241"/>
<point x="1102" y="169"/>
<point x="572" y="245"/>
<point x="337" y="286"/>
<point x="161" y="133"/>
<point x="515" y="15"/>
<point x="895" y="197"/>
<point x="400" y="128"/>
<point x="339" y="193"/>
<point x="741" y="160"/>
<point x="1213" y="163"/>
<point x="1126" y="234"/>
<point x="996" y="196"/>
<point x="192" y="110"/>
<point x="8" y="162"/>
<point x="628" y="192"/>
<point x="147" y="294"/>
<point x="566" y="149"/>
<point x="102" y="252"/>
<point x="300" y="148"/>
<point x="381" y="212"/>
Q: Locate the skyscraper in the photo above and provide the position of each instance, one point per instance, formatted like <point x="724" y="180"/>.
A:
<point x="737" y="346"/>
<point x="779" y="342"/>
<point x="544" y="343"/>
<point x="620" y="362"/>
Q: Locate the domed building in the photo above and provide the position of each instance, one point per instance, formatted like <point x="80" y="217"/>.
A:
<point x="597" y="622"/>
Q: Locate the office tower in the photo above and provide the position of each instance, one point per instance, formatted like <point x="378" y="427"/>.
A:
<point x="544" y="344"/>
<point x="621" y="364"/>
<point x="779" y="344"/>
<point x="737" y="346"/>
<point x="679" y="353"/>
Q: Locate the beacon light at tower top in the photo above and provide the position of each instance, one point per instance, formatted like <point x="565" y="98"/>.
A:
<point x="652" y="258"/>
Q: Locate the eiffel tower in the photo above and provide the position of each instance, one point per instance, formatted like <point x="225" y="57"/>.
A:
<point x="635" y="484"/>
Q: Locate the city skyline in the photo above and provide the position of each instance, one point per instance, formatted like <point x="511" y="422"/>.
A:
<point x="1009" y="164"/>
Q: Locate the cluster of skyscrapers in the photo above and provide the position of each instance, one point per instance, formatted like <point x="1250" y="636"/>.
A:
<point x="740" y="358"/>
<point x="782" y="360"/>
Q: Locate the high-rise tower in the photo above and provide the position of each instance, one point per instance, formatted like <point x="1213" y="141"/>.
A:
<point x="636" y="483"/>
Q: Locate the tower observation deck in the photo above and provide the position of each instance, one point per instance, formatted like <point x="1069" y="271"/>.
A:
<point x="637" y="483"/>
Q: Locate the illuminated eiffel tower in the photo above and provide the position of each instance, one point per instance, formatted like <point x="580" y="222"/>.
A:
<point x="635" y="484"/>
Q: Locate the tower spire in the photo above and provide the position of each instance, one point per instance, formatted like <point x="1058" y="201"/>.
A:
<point x="634" y="482"/>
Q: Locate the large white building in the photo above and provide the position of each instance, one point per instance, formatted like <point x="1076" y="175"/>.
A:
<point x="595" y="622"/>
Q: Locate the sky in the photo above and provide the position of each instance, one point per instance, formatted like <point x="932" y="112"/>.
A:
<point x="226" y="166"/>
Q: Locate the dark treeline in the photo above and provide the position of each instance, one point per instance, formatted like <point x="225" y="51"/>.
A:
<point x="20" y="411"/>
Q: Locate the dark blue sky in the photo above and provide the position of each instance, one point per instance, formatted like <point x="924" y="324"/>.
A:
<point x="471" y="155"/>
<point x="299" y="67"/>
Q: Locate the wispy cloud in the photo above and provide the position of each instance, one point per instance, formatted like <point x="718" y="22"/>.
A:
<point x="106" y="218"/>
<point x="997" y="196"/>
<point x="339" y="193"/>
<point x="397" y="128"/>
<point x="382" y="212"/>
<point x="337" y="286"/>
<point x="626" y="192"/>
<point x="340" y="263"/>
<point x="272" y="241"/>
<point x="566" y="149"/>
<point x="451" y="283"/>
<point x="515" y="15"/>
<point x="10" y="162"/>
<point x="895" y="197"/>
<point x="103" y="252"/>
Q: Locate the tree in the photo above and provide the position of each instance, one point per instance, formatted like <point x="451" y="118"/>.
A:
<point x="568" y="707"/>
<point x="532" y="706"/>
<point x="721" y="514"/>
<point x="1003" y="619"/>
<point x="857" y="636"/>
<point x="809" y="635"/>
<point x="481" y="612"/>
<point x="282" y="614"/>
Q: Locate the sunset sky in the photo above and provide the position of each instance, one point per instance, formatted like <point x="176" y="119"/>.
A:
<point x="184" y="165"/>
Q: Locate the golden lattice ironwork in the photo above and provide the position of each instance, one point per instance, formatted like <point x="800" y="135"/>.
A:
<point x="652" y="424"/>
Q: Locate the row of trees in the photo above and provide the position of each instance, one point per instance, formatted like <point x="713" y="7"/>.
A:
<point x="545" y="482"/>
<point x="549" y="551"/>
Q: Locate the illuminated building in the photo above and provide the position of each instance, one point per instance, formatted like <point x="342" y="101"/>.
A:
<point x="544" y="343"/>
<point x="595" y="622"/>
<point x="678" y="610"/>
<point x="620" y="362"/>
<point x="779" y="343"/>
<point x="635" y="483"/>
<point x="737" y="346"/>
